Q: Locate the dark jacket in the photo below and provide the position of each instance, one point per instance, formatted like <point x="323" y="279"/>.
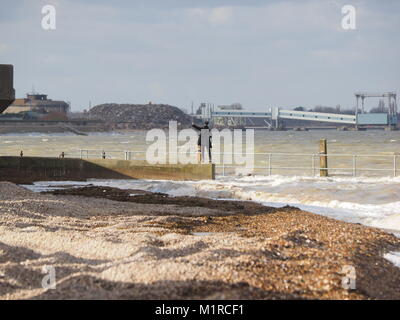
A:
<point x="205" y="131"/>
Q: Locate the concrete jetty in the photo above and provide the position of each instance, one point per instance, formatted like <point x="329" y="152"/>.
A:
<point x="30" y="169"/>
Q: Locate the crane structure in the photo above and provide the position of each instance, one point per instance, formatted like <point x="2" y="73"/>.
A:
<point x="392" y="104"/>
<point x="388" y="118"/>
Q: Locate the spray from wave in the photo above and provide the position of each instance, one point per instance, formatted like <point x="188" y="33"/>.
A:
<point x="370" y="201"/>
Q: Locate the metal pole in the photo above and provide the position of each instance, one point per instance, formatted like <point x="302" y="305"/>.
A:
<point x="390" y="111"/>
<point x="362" y="104"/>
<point x="313" y="165"/>
<point x="223" y="166"/>
<point x="395" y="109"/>
<point x="269" y="164"/>
<point x="354" y="165"/>
<point x="356" y="113"/>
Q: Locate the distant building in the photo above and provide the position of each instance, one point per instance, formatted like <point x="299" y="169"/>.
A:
<point x="233" y="106"/>
<point x="37" y="103"/>
<point x="229" y="122"/>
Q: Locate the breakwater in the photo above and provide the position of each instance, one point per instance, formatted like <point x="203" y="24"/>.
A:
<point x="30" y="169"/>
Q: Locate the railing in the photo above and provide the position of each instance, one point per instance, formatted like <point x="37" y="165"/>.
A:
<point x="353" y="169"/>
<point x="106" y="154"/>
<point x="273" y="164"/>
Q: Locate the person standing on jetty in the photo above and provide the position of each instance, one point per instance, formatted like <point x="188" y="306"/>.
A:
<point x="204" y="141"/>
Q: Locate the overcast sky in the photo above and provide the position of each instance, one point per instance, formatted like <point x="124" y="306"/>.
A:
<point x="258" y="53"/>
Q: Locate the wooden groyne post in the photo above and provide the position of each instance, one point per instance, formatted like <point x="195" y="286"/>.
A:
<point x="323" y="159"/>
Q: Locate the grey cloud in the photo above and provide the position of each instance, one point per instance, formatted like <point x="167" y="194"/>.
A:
<point x="260" y="53"/>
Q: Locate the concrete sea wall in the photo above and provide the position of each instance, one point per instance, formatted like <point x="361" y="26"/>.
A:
<point x="30" y="169"/>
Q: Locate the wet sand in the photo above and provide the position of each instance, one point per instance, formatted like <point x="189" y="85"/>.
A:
<point x="106" y="243"/>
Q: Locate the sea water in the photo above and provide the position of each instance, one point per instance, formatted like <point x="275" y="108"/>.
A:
<point x="370" y="198"/>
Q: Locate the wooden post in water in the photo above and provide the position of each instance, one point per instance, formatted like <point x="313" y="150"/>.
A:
<point x="323" y="159"/>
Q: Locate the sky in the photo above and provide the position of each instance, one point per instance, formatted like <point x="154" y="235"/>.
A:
<point x="261" y="54"/>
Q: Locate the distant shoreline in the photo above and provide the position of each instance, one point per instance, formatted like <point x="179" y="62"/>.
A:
<point x="9" y="127"/>
<point x="54" y="128"/>
<point x="76" y="127"/>
<point x="49" y="128"/>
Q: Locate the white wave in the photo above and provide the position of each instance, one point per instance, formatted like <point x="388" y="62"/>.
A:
<point x="393" y="257"/>
<point x="370" y="201"/>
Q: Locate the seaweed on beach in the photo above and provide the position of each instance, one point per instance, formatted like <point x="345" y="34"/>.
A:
<point x="147" y="197"/>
